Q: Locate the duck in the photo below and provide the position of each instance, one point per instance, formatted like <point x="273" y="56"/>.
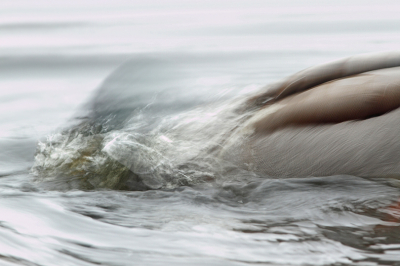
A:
<point x="338" y="118"/>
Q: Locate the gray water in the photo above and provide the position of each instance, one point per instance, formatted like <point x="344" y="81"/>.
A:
<point x="91" y="90"/>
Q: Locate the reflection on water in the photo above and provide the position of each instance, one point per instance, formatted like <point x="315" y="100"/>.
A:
<point x="81" y="204"/>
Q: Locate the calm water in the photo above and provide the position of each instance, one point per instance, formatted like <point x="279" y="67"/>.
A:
<point x="89" y="89"/>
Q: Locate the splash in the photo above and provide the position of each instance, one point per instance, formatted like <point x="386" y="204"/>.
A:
<point x="182" y="150"/>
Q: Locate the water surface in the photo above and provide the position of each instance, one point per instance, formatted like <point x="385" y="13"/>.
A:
<point x="159" y="82"/>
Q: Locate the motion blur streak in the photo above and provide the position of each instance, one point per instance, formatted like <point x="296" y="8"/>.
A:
<point x="64" y="62"/>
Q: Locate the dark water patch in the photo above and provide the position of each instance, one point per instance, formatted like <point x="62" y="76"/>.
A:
<point x="16" y="261"/>
<point x="34" y="26"/>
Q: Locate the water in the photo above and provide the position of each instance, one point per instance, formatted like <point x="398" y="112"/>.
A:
<point x="90" y="90"/>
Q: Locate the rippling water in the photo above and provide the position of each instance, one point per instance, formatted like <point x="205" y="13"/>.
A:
<point x="112" y="113"/>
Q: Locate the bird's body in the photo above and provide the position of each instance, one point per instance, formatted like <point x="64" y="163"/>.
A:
<point x="338" y="119"/>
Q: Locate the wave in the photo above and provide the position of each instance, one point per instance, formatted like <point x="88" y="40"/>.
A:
<point x="143" y="129"/>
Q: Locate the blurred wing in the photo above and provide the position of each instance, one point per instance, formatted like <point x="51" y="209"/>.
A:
<point x="357" y="97"/>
